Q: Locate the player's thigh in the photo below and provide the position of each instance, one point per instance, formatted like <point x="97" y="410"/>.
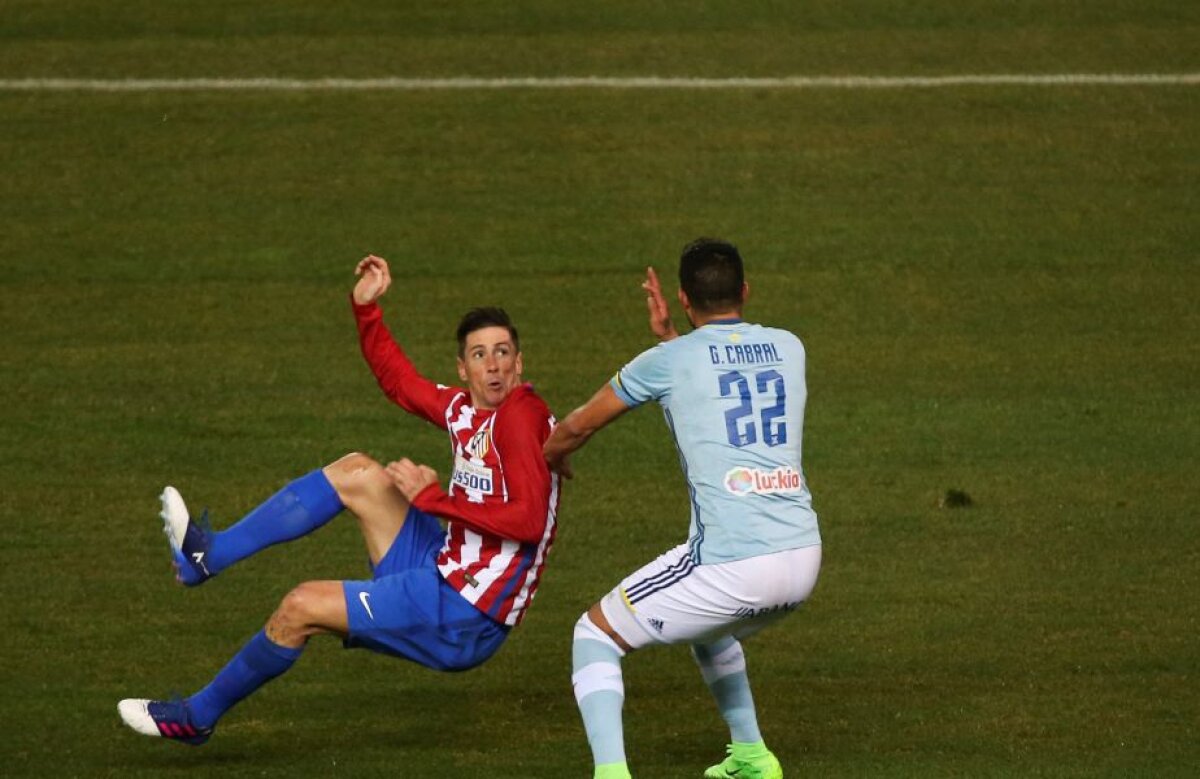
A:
<point x="365" y="488"/>
<point x="788" y="579"/>
<point x="416" y="615"/>
<point x="673" y="600"/>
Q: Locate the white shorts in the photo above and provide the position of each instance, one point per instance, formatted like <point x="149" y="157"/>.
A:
<point x="675" y="601"/>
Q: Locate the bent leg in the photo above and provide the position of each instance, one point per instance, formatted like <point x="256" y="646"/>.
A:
<point x="599" y="687"/>
<point x="674" y="600"/>
<point x="299" y="508"/>
<point x="363" y="486"/>
<point x="723" y="666"/>
<point x="311" y="608"/>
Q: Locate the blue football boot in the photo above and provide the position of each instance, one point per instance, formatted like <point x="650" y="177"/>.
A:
<point x="166" y="719"/>
<point x="189" y="540"/>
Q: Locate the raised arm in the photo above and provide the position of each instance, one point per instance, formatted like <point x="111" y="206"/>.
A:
<point x="397" y="376"/>
<point x="574" y="431"/>
<point x="374" y="278"/>
<point x="656" y="305"/>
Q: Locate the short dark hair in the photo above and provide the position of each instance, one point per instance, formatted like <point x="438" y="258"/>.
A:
<point x="711" y="275"/>
<point x="479" y="318"/>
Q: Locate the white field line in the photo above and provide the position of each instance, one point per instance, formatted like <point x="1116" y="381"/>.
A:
<point x="588" y="82"/>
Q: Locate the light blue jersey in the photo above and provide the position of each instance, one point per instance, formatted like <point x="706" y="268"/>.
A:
<point x="733" y="394"/>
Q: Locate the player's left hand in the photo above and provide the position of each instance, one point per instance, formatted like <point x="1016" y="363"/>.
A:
<point x="410" y="478"/>
<point x="560" y="464"/>
<point x="656" y="305"/>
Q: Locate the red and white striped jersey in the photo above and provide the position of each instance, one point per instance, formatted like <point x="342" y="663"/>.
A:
<point x="502" y="502"/>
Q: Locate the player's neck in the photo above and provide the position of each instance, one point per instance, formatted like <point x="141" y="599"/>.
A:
<point x="699" y="320"/>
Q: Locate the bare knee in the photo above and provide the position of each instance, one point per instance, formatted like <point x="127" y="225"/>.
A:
<point x="303" y="612"/>
<point x="356" y="475"/>
<point x="297" y="608"/>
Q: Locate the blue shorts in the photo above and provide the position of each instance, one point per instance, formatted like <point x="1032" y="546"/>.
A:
<point x="408" y="610"/>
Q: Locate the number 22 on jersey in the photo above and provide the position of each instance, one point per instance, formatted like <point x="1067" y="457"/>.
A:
<point x="764" y="390"/>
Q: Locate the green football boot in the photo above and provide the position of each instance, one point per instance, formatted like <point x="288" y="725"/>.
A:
<point x="612" y="771"/>
<point x="761" y="766"/>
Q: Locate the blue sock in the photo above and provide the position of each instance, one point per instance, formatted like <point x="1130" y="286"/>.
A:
<point x="296" y="510"/>
<point x="723" y="665"/>
<point x="255" y="664"/>
<point x="599" y="691"/>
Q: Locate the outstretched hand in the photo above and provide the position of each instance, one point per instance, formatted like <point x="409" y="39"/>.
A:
<point x="558" y="462"/>
<point x="411" y="478"/>
<point x="656" y="305"/>
<point x="374" y="279"/>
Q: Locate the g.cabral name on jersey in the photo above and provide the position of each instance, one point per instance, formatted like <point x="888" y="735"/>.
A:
<point x="753" y="481"/>
<point x="744" y="354"/>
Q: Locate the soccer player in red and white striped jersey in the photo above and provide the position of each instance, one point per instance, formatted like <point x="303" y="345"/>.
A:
<point x="502" y="499"/>
<point x="442" y="597"/>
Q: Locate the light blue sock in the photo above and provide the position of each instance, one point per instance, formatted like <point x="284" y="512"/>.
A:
<point x="723" y="666"/>
<point x="599" y="691"/>
<point x="255" y="664"/>
<point x="296" y="510"/>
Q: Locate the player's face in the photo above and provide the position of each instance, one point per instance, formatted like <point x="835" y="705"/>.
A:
<point x="490" y="365"/>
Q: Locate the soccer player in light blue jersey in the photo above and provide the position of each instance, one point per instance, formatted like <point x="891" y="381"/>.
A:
<point x="733" y="396"/>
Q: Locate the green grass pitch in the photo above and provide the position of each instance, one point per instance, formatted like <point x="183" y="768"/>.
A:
<point x="997" y="286"/>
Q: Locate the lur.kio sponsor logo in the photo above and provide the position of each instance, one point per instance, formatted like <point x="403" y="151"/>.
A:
<point x="752" y="481"/>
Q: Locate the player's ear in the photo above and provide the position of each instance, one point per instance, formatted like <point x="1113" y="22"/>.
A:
<point x="462" y="369"/>
<point x="520" y="364"/>
<point x="745" y="291"/>
<point x="683" y="298"/>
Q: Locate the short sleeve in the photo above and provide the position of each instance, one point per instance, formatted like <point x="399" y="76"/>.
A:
<point x="645" y="377"/>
